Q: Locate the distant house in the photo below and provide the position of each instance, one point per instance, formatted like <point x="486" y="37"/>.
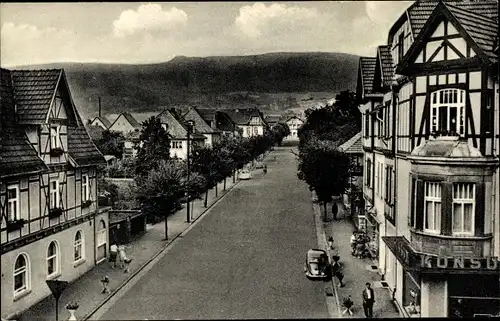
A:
<point x="51" y="226"/>
<point x="249" y="120"/>
<point x="175" y="126"/>
<point x="202" y="127"/>
<point x="101" y="121"/>
<point x="294" y="124"/>
<point x="125" y="123"/>
<point x="272" y="120"/>
<point x="219" y="120"/>
<point x="354" y="196"/>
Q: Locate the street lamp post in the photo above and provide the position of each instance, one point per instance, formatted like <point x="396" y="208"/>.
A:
<point x="189" y="125"/>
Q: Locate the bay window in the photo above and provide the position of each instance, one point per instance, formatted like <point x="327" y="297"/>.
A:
<point x="432" y="207"/>
<point x="463" y="208"/>
<point x="448" y="111"/>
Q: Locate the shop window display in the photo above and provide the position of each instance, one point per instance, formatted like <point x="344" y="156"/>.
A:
<point x="411" y="295"/>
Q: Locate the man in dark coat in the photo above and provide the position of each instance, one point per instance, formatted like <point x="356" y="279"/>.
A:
<point x="368" y="300"/>
<point x="335" y="210"/>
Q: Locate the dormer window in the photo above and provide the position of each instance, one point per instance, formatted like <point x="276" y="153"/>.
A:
<point x="448" y="112"/>
<point x="55" y="139"/>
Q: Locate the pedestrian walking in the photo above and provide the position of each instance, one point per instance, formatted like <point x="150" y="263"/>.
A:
<point x="113" y="254"/>
<point x="125" y="261"/>
<point x="330" y="242"/>
<point x="368" y="300"/>
<point x="348" y="303"/>
<point x="265" y="169"/>
<point x="335" y="210"/>
<point x="352" y="242"/>
<point x="340" y="277"/>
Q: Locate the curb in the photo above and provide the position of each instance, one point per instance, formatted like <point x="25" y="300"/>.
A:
<point x="163" y="249"/>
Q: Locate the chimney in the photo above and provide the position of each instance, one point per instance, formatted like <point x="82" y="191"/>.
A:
<point x="99" y="106"/>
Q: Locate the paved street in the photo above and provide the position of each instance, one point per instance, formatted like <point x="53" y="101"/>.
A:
<point x="244" y="259"/>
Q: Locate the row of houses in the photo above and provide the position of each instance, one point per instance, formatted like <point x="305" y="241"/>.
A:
<point x="431" y="142"/>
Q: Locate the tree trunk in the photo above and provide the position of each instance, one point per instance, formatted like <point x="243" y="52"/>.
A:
<point x="206" y="198"/>
<point x="166" y="227"/>
<point x="234" y="176"/>
<point x="216" y="190"/>
<point x="324" y="208"/>
<point x="224" y="183"/>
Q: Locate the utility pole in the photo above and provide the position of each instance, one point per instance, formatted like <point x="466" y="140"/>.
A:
<point x="99" y="106"/>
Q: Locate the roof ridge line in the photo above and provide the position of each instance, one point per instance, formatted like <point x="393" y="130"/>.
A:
<point x="456" y="5"/>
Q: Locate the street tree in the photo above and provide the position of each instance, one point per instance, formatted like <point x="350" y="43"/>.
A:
<point x="153" y="146"/>
<point x="111" y="143"/>
<point x="204" y="161"/>
<point x="224" y="164"/>
<point x="324" y="168"/>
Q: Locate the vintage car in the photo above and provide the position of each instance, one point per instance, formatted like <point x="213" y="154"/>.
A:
<point x="244" y="174"/>
<point x="317" y="265"/>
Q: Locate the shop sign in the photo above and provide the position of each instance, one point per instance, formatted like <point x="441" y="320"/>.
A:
<point x="459" y="262"/>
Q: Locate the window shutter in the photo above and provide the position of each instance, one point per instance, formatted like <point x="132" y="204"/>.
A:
<point x="446" y="208"/>
<point x="411" y="212"/>
<point x="479" y="210"/>
<point x="419" y="214"/>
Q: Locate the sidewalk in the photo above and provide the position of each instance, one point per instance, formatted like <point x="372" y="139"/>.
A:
<point x="357" y="271"/>
<point x="86" y="290"/>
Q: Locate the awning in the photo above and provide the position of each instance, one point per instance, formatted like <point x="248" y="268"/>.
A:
<point x="402" y="250"/>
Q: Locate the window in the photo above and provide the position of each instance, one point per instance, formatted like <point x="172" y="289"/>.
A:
<point x="489" y="119"/>
<point x="13" y="202"/>
<point x="463" y="208"/>
<point x="368" y="178"/>
<point x="55" y="141"/>
<point x="432" y="209"/>
<point x="78" y="246"/>
<point x="21" y="275"/>
<point x="387" y="118"/>
<point x="413" y="209"/>
<point x="255" y="131"/>
<point x="401" y="45"/>
<point x="448" y="111"/>
<point x="388" y="184"/>
<point x="249" y="131"/>
<point x="52" y="259"/>
<point x="380" y="120"/>
<point x="54" y="193"/>
<point x="85" y="187"/>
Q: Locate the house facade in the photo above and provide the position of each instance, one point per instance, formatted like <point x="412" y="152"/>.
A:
<point x="212" y="135"/>
<point x="130" y="128"/>
<point x="100" y="121"/>
<point x="176" y="128"/>
<point x="294" y="123"/>
<point x="441" y="240"/>
<point x="219" y="120"/>
<point x="51" y="225"/>
<point x="250" y="121"/>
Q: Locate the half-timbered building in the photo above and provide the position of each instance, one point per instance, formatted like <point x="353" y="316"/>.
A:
<point x="51" y="227"/>
<point x="441" y="243"/>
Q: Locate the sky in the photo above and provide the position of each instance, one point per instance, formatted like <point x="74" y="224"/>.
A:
<point x="140" y="32"/>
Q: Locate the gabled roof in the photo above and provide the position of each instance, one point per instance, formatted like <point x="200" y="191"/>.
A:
<point x="244" y="115"/>
<point x="385" y="57"/>
<point x="131" y="120"/>
<point x="224" y="122"/>
<point x="175" y="125"/>
<point x="95" y="132"/>
<point x="103" y="120"/>
<point x="200" y="124"/>
<point x="367" y="73"/>
<point x="294" y="117"/>
<point x="207" y="114"/>
<point x="272" y="119"/>
<point x="34" y="92"/>
<point x="353" y="145"/>
<point x="81" y="149"/>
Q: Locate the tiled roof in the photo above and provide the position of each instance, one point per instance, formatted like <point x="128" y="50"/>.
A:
<point x="34" y="90"/>
<point x="175" y="125"/>
<point x="17" y="156"/>
<point x="95" y="132"/>
<point x="272" y="119"/>
<point x="81" y="148"/>
<point x="479" y="18"/>
<point x="224" y="122"/>
<point x="200" y="124"/>
<point x="481" y="28"/>
<point x="353" y="145"/>
<point x="242" y="116"/>
<point x="384" y="54"/>
<point x="207" y="114"/>
<point x="103" y="120"/>
<point x="367" y="65"/>
<point x="132" y="120"/>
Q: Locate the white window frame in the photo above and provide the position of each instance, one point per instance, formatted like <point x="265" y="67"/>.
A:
<point x="55" y="137"/>
<point x="56" y="191"/>
<point x="447" y="100"/>
<point x="432" y="194"/>
<point x="79" y="244"/>
<point x="13" y="203"/>
<point x="26" y="270"/>
<point x="249" y="131"/>
<point x="459" y="190"/>
<point x="255" y="131"/>
<point x="55" y="257"/>
<point x="85" y="187"/>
